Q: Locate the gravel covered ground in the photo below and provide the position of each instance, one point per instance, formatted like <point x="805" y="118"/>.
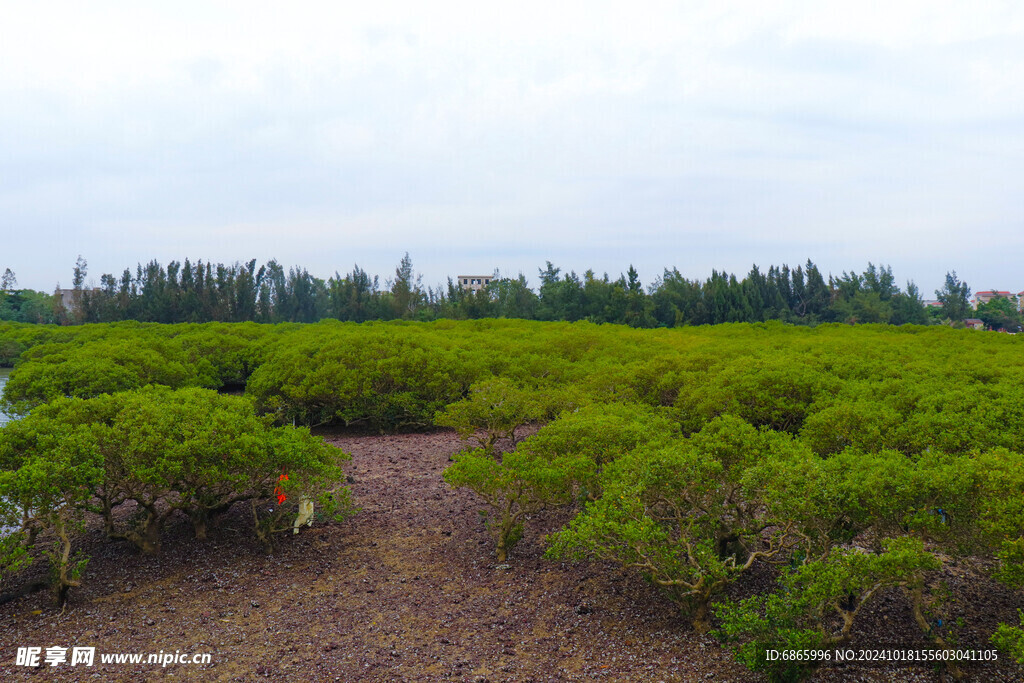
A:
<point x="408" y="590"/>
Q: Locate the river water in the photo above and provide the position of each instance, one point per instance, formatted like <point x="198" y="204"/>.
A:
<point x="4" y="420"/>
<point x="3" y="380"/>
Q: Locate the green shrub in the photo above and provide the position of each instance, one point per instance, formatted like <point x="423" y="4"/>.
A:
<point x="521" y="483"/>
<point x="797" y="616"/>
<point x="190" y="451"/>
<point x="53" y="371"/>
<point x="382" y="378"/>
<point x="494" y="410"/>
<point x="684" y="514"/>
<point x="1010" y="639"/>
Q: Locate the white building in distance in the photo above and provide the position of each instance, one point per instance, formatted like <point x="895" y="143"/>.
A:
<point x="475" y="282"/>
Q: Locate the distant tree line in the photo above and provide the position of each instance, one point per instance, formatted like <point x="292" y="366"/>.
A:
<point x="207" y="292"/>
<point x="24" y="305"/>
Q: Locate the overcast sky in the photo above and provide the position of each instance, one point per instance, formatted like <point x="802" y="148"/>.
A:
<point x="482" y="136"/>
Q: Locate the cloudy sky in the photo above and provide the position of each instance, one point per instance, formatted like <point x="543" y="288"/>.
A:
<point x="482" y="136"/>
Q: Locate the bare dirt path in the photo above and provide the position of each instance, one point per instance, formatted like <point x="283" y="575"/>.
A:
<point x="406" y="590"/>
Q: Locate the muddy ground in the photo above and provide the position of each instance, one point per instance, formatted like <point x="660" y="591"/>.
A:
<point x="408" y="590"/>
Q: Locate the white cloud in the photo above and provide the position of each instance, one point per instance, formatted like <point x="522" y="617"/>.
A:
<point x="663" y="132"/>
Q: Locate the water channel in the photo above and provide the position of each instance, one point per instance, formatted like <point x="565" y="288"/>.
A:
<point x="3" y="380"/>
<point x="4" y="420"/>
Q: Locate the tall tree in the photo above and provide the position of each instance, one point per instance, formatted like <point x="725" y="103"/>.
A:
<point x="560" y="299"/>
<point x="406" y="289"/>
<point x="514" y="299"/>
<point x="549" y="292"/>
<point x="8" y="281"/>
<point x="78" y="300"/>
<point x="819" y="296"/>
<point x="676" y="300"/>
<point x="908" y="308"/>
<point x="953" y="297"/>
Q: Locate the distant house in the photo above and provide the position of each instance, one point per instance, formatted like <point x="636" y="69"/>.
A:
<point x="67" y="298"/>
<point x="475" y="282"/>
<point x="985" y="296"/>
<point x="70" y="298"/>
<point x="974" y="324"/>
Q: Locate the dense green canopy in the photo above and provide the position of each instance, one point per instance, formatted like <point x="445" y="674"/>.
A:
<point x="853" y="460"/>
